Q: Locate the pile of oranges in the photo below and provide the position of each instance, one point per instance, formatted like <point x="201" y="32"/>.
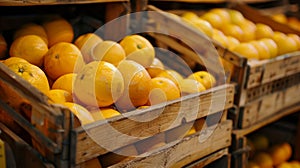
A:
<point x="265" y="154"/>
<point x="232" y="30"/>
<point x="96" y="78"/>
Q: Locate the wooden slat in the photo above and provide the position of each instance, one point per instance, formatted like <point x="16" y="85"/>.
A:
<point x="25" y="155"/>
<point x="52" y="2"/>
<point x="30" y="129"/>
<point x="282" y="113"/>
<point x="172" y="115"/>
<point x="209" y="159"/>
<point x="187" y="150"/>
<point x="269" y="70"/>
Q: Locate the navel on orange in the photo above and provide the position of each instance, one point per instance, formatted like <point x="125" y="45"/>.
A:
<point x="33" y="74"/>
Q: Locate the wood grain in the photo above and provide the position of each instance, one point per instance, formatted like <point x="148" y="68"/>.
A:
<point x="187" y="150"/>
<point x="126" y="129"/>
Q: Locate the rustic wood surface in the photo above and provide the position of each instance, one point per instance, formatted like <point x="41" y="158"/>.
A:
<point x="270" y="119"/>
<point x="187" y="150"/>
<point x="185" y="110"/>
<point x="24" y="154"/>
<point x="209" y="159"/>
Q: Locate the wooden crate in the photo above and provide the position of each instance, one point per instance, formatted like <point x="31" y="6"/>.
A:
<point x="269" y="99"/>
<point x="247" y="74"/>
<point x="285" y="130"/>
<point x="254" y="79"/>
<point x="56" y="136"/>
<point x="50" y="128"/>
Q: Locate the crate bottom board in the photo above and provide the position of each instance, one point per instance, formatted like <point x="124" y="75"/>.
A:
<point x="217" y="159"/>
<point x="184" y="152"/>
<point x="270" y="119"/>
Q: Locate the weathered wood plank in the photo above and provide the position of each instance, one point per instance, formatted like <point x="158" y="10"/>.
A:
<point x="189" y="149"/>
<point x="209" y="159"/>
<point x="259" y="124"/>
<point x="127" y="129"/>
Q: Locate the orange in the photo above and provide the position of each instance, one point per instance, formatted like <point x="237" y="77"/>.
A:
<point x="262" y="49"/>
<point x="65" y="82"/>
<point x="232" y="42"/>
<point x="138" y="49"/>
<point x="294" y="22"/>
<point x="233" y="30"/>
<point x="280" y="17"/>
<point x="85" y="43"/>
<point x="188" y="86"/>
<point x="98" y="84"/>
<point x="82" y="114"/>
<point x="13" y="60"/>
<point x="288" y="150"/>
<point x="30" y="47"/>
<point x="247" y="50"/>
<point x="108" y="51"/>
<point x="295" y="164"/>
<point x="172" y="75"/>
<point x="284" y="43"/>
<point x="220" y="37"/>
<point x="263" y="31"/>
<point x="104" y="113"/>
<point x="296" y="38"/>
<point x="3" y="46"/>
<point x="272" y="46"/>
<point x="191" y="131"/>
<point x="59" y="96"/>
<point x="263" y="159"/>
<point x="285" y="165"/>
<point x="162" y="90"/>
<point x="58" y="30"/>
<point x="31" y="29"/>
<point x="62" y="58"/>
<point x="280" y="153"/>
<point x="137" y="85"/>
<point x="205" y="78"/>
<point x="33" y="74"/>
<point x="202" y="25"/>
<point x="249" y="29"/>
<point x="155" y="68"/>
<point x="223" y="13"/>
<point x="214" y="19"/>
<point x="236" y="17"/>
<point x="189" y="16"/>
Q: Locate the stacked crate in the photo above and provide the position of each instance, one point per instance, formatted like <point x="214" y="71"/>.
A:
<point x="162" y="142"/>
<point x="265" y="90"/>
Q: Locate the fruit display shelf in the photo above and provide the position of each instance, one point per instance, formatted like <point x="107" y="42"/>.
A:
<point x="254" y="79"/>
